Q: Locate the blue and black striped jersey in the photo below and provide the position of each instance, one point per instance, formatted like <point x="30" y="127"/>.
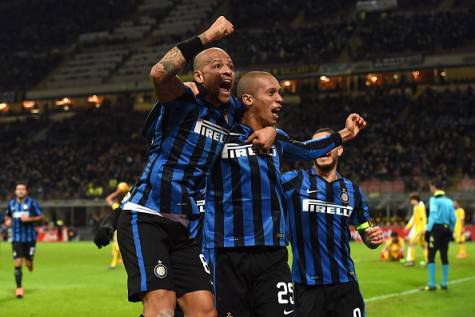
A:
<point x="187" y="136"/>
<point x="319" y="216"/>
<point x="23" y="231"/>
<point x="244" y="197"/>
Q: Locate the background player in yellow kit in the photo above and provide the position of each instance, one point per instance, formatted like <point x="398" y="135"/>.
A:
<point x="114" y="200"/>
<point x="459" y="230"/>
<point x="416" y="228"/>
<point x="393" y="249"/>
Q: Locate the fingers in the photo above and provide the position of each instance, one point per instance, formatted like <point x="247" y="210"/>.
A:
<point x="193" y="87"/>
<point x="251" y="138"/>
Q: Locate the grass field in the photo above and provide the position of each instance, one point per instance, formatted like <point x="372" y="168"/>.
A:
<point x="73" y="280"/>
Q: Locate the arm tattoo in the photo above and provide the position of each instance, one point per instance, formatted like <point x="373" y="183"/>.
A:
<point x="168" y="66"/>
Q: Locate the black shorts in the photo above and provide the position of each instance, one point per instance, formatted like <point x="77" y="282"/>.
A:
<point x="439" y="241"/>
<point x="24" y="250"/>
<point x="252" y="281"/>
<point x="339" y="300"/>
<point x="158" y="254"/>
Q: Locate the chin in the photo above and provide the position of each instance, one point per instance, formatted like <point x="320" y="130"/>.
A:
<point x="224" y="99"/>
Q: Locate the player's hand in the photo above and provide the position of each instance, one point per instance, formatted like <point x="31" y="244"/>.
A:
<point x="375" y="235"/>
<point x="263" y="138"/>
<point x="103" y="236"/>
<point x="194" y="88"/>
<point x="25" y="219"/>
<point x="8" y="222"/>
<point x="218" y="30"/>
<point x="354" y="124"/>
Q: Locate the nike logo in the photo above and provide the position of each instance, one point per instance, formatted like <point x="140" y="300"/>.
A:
<point x="288" y="312"/>
<point x="312" y="191"/>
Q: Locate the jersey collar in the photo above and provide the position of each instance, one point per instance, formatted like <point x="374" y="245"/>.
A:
<point x="439" y="193"/>
<point x="313" y="171"/>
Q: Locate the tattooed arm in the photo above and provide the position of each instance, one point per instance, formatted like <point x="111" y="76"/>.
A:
<point x="166" y="84"/>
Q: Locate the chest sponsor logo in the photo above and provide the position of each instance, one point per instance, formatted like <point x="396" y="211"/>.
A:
<point x="311" y="205"/>
<point x="19" y="214"/>
<point x="232" y="150"/>
<point x="211" y="130"/>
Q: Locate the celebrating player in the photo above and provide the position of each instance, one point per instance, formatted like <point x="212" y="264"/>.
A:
<point x="245" y="227"/>
<point x="438" y="233"/>
<point x="163" y="263"/>
<point x="113" y="200"/>
<point x="459" y="235"/>
<point x="393" y="249"/>
<point x="22" y="214"/>
<point x="416" y="228"/>
<point x="321" y="205"/>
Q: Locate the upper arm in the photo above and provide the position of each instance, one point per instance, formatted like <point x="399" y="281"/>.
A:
<point x="169" y="90"/>
<point x="35" y="208"/>
<point x="360" y="216"/>
<point x="308" y="150"/>
<point x="289" y="181"/>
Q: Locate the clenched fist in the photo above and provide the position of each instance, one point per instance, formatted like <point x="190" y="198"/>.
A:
<point x="217" y="31"/>
<point x="355" y="123"/>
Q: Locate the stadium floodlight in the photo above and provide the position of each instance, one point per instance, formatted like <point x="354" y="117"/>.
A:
<point x="3" y="107"/>
<point x="324" y="79"/>
<point x="28" y="104"/>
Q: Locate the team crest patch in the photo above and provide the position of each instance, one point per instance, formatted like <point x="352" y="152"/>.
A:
<point x="160" y="270"/>
<point x="345" y="198"/>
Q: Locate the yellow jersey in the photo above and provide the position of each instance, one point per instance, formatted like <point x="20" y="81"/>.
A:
<point x="460" y="216"/>
<point x="418" y="219"/>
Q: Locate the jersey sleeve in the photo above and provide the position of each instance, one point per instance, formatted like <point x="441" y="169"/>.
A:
<point x="154" y="118"/>
<point x="360" y="216"/>
<point x="308" y="150"/>
<point x="9" y="211"/>
<point x="35" y="208"/>
<point x="289" y="181"/>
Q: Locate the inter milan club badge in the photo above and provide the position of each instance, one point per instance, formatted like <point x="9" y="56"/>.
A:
<point x="160" y="270"/>
<point x="345" y="198"/>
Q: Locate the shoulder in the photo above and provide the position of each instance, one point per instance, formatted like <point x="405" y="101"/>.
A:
<point x="290" y="175"/>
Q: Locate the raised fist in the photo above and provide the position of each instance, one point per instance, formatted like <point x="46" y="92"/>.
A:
<point x="355" y="123"/>
<point x="218" y="30"/>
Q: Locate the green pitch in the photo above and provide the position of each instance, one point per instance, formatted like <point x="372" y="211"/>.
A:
<point x="73" y="280"/>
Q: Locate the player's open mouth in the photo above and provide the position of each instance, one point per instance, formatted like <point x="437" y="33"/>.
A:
<point x="225" y="86"/>
<point x="275" y="112"/>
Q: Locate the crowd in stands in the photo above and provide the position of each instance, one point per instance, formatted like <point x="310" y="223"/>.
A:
<point x="63" y="160"/>
<point x="429" y="137"/>
<point x="413" y="140"/>
<point x="36" y="33"/>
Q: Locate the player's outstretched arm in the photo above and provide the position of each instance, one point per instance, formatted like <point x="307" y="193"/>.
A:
<point x="166" y="84"/>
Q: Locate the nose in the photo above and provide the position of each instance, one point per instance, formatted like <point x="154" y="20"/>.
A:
<point x="226" y="70"/>
<point x="278" y="98"/>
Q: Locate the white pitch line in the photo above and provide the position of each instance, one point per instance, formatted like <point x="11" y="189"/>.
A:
<point x="413" y="291"/>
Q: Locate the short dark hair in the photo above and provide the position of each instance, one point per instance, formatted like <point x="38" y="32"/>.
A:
<point x="21" y="183"/>
<point x="394" y="234"/>
<point x="415" y="196"/>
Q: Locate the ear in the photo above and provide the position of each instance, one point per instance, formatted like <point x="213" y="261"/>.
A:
<point x="198" y="76"/>
<point x="340" y="151"/>
<point x="247" y="100"/>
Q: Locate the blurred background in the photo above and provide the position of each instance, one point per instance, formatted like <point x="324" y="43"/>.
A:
<point x="75" y="91"/>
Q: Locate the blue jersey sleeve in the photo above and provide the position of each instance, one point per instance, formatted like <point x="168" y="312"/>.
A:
<point x="308" y="150"/>
<point x="289" y="180"/>
<point x="360" y="216"/>
<point x="9" y="211"/>
<point x="35" y="208"/>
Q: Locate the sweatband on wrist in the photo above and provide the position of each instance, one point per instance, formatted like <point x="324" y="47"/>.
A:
<point x="337" y="138"/>
<point x="189" y="48"/>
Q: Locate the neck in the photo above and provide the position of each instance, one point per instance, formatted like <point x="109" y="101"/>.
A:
<point x="328" y="175"/>
<point x="20" y="199"/>
<point x="251" y="121"/>
<point x="214" y="102"/>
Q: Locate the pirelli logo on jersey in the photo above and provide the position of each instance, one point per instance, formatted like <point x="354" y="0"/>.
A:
<point x="211" y="130"/>
<point x="232" y="150"/>
<point x="311" y="205"/>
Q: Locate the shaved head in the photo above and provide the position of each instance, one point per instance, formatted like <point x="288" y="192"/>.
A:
<point x="249" y="82"/>
<point x="207" y="55"/>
